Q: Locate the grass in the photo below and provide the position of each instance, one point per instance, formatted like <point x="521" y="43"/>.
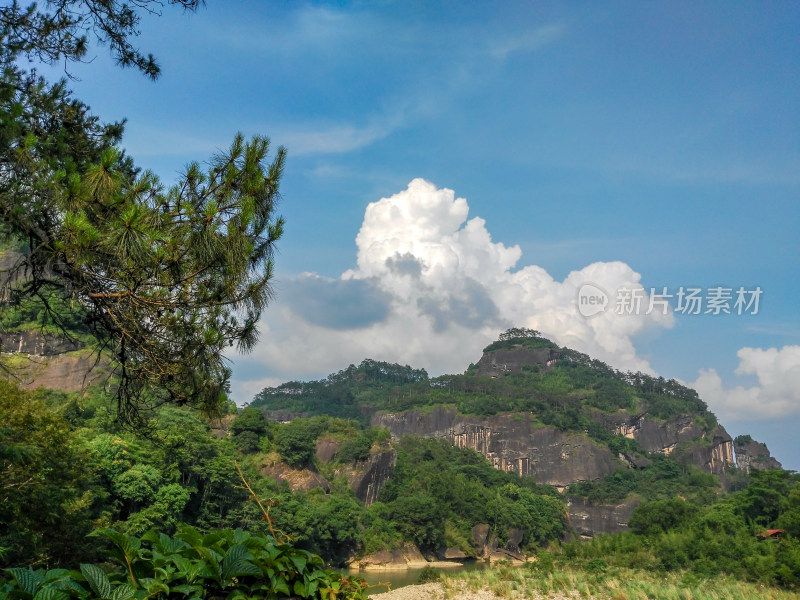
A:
<point x="526" y="581"/>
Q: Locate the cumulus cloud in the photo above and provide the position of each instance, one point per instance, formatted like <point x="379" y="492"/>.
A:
<point x="336" y="303"/>
<point x="776" y="395"/>
<point x="431" y="289"/>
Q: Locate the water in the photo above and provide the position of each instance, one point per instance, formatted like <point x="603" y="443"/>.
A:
<point x="401" y="578"/>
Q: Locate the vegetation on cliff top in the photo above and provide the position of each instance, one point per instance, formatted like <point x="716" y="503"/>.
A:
<point x="564" y="395"/>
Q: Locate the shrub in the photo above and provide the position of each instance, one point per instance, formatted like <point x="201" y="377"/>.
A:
<point x="221" y="564"/>
<point x="428" y="575"/>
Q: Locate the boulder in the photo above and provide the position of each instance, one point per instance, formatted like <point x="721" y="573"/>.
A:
<point x="405" y="557"/>
<point x="589" y="519"/>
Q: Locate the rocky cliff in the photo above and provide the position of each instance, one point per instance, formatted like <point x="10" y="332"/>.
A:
<point x="368" y="478"/>
<point x="510" y="442"/>
<point x="517" y="443"/>
<point x="297" y="479"/>
<point x="710" y="451"/>
<point x="511" y="361"/>
<point x="36" y="344"/>
<point x="751" y="454"/>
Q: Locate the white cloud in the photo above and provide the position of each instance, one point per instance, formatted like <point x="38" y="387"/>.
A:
<point x="244" y="391"/>
<point x="447" y="289"/>
<point x="335" y="139"/>
<point x="528" y="41"/>
<point x="776" y="395"/>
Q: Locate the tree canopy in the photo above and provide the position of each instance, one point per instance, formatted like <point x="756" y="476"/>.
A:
<point x="164" y="277"/>
<point x="55" y="30"/>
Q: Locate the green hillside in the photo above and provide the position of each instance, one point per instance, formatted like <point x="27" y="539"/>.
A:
<point x="564" y="396"/>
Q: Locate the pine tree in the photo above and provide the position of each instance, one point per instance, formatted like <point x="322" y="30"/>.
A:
<point x="164" y="278"/>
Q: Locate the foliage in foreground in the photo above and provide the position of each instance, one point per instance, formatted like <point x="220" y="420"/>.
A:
<point x="230" y="564"/>
<point x="162" y="278"/>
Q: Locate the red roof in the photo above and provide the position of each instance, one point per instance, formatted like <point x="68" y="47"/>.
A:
<point x="771" y="533"/>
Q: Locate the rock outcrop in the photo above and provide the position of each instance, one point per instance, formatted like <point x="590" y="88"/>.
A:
<point x="221" y="426"/>
<point x="368" y="478"/>
<point x="511" y="361"/>
<point x="36" y="344"/>
<point x="711" y="452"/>
<point x="452" y="554"/>
<point x="12" y="270"/>
<point x="510" y="442"/>
<point x="487" y="544"/>
<point x="588" y="519"/>
<point x="405" y="557"/>
<point x="327" y="447"/>
<point x="297" y="479"/>
<point x="751" y="454"/>
<point x="33" y="360"/>
<point x="283" y="416"/>
<point x="69" y="372"/>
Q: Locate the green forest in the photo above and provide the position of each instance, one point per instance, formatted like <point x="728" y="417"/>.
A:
<point x="80" y="489"/>
<point x="153" y="484"/>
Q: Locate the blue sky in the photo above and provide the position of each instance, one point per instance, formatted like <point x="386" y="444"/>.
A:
<point x="652" y="144"/>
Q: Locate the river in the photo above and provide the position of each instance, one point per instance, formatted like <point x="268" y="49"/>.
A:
<point x="402" y="577"/>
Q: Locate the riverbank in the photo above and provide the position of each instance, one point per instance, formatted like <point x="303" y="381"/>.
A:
<point x="438" y="591"/>
<point x="407" y="566"/>
<point x="572" y="584"/>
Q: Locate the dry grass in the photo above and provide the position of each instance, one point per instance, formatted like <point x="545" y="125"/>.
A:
<point x="616" y="584"/>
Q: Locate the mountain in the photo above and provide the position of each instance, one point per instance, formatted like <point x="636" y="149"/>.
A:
<point x="604" y="439"/>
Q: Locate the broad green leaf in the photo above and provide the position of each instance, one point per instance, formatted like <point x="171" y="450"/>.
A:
<point x="49" y="593"/>
<point x="299" y="562"/>
<point x="235" y="563"/>
<point x="123" y="592"/>
<point x="212" y="538"/>
<point x="54" y="574"/>
<point x="28" y="580"/>
<point x="97" y="579"/>
<point x="281" y="586"/>
<point x="170" y="545"/>
<point x="157" y="586"/>
<point x="186" y="589"/>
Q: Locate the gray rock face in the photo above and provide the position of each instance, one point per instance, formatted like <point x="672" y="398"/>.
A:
<point x="487" y="545"/>
<point x="327" y="448"/>
<point x="35" y="343"/>
<point x="401" y="558"/>
<point x="283" y="416"/>
<point x="480" y="536"/>
<point x="511" y="361"/>
<point x="298" y="479"/>
<point x="370" y="477"/>
<point x="510" y="443"/>
<point x="590" y="519"/>
<point x="70" y="372"/>
<point x="12" y="270"/>
<point x="514" y="539"/>
<point x="751" y="454"/>
<point x="452" y="554"/>
<point x="711" y="452"/>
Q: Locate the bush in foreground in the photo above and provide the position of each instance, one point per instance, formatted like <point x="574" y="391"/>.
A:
<point x="224" y="564"/>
